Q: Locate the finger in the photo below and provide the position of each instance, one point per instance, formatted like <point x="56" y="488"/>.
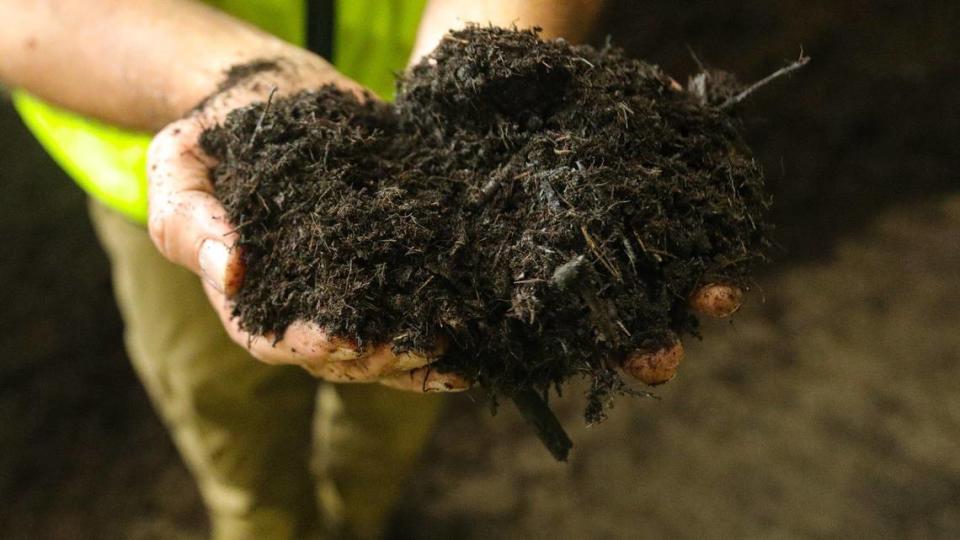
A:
<point x="366" y="368"/>
<point x="186" y="222"/>
<point x="655" y="366"/>
<point x="410" y="360"/>
<point x="303" y="344"/>
<point x="382" y="362"/>
<point x="426" y="380"/>
<point x="307" y="345"/>
<point x="717" y="300"/>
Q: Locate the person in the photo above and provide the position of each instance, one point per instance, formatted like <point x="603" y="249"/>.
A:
<point x="118" y="91"/>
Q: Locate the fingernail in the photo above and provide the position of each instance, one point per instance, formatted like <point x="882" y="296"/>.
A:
<point x="213" y="263"/>
<point x="443" y="384"/>
<point x="407" y="361"/>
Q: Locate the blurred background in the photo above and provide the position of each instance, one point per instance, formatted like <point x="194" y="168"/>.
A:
<point x="830" y="407"/>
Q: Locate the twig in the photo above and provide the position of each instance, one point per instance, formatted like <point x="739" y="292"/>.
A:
<point x="575" y="276"/>
<point x="263" y="115"/>
<point x="550" y="194"/>
<point x="549" y="430"/>
<point x="496" y="180"/>
<point x="595" y="248"/>
<point x="696" y="58"/>
<point x="491" y="187"/>
<point x="786" y="70"/>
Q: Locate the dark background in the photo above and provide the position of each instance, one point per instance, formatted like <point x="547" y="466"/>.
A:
<point x="828" y="408"/>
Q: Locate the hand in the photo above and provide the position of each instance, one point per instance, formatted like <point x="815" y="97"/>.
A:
<point x="189" y="226"/>
<point x="658" y="366"/>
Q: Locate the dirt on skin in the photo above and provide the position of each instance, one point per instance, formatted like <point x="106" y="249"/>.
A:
<point x="543" y="208"/>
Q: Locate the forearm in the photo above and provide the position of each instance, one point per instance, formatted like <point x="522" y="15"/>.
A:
<point x="570" y="19"/>
<point x="136" y="63"/>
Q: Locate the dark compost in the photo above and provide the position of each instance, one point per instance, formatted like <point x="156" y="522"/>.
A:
<point x="543" y="208"/>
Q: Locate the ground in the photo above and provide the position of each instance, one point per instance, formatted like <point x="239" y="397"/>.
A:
<point x="828" y="408"/>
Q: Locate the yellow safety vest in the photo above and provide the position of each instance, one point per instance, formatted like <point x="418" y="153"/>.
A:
<point x="372" y="40"/>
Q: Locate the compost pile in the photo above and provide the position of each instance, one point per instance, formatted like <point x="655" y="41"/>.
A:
<point x="544" y="208"/>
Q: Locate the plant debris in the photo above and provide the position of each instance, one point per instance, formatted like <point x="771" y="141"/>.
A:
<point x="545" y="208"/>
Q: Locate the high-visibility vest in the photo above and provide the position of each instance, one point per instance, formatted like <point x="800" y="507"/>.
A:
<point x="372" y="40"/>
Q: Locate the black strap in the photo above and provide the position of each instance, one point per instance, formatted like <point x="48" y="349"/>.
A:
<point x="320" y="27"/>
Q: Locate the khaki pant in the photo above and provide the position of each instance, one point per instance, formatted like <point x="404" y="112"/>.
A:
<point x="275" y="453"/>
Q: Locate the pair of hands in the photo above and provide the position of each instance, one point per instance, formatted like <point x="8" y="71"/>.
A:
<point x="189" y="227"/>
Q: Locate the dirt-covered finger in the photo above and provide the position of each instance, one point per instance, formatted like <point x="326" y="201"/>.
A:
<point x="426" y="380"/>
<point x="187" y="224"/>
<point x="409" y="360"/>
<point x="303" y="344"/>
<point x="368" y="367"/>
<point x="717" y="300"/>
<point x="656" y="364"/>
<point x="380" y="362"/>
<point x="189" y="228"/>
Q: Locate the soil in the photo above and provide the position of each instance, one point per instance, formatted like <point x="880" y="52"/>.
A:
<point x="543" y="208"/>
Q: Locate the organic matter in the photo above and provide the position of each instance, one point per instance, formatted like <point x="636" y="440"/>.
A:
<point x="546" y="209"/>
